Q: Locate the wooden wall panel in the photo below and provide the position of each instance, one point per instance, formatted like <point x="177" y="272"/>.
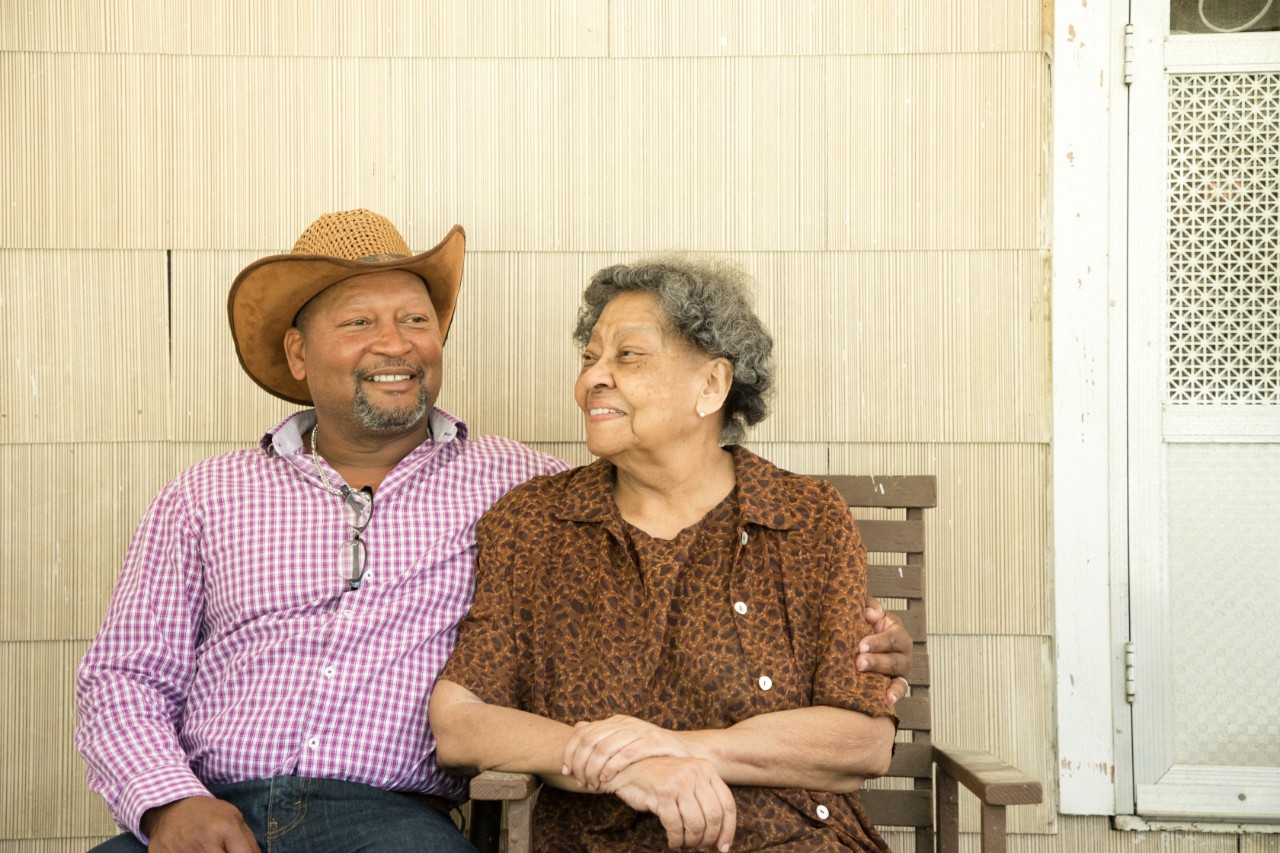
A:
<point x="510" y="362"/>
<point x="594" y="170"/>
<point x="44" y="791"/>
<point x="894" y="347"/>
<point x="529" y="154"/>
<point x="870" y="346"/>
<point x="1095" y="835"/>
<point x="85" y="346"/>
<point x="485" y="28"/>
<point x="987" y="538"/>
<point x="213" y="398"/>
<point x="831" y="27"/>
<point x="84" y="158"/>
<point x="996" y="693"/>
<point x="591" y="171"/>
<point x="937" y="152"/>
<point x="66" y="516"/>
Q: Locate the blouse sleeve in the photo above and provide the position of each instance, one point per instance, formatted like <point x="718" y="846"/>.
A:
<point x="841" y="625"/>
<point x="484" y="660"/>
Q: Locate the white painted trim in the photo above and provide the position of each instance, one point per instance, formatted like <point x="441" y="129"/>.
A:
<point x="1133" y="823"/>
<point x="1227" y="793"/>
<point x="1236" y="53"/>
<point x="1153" y="752"/>
<point x="1088" y="88"/>
<point x="1218" y="424"/>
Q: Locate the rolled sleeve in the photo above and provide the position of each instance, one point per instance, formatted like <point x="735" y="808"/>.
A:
<point x="841" y="627"/>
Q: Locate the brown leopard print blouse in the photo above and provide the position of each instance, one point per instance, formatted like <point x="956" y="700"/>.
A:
<point x="757" y="608"/>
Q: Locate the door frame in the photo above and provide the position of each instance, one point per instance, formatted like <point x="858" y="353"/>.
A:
<point x="1162" y="787"/>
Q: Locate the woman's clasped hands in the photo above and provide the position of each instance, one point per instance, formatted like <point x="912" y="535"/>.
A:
<point x="652" y="769"/>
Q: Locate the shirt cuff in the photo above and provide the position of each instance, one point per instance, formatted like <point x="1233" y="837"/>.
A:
<point x="157" y="787"/>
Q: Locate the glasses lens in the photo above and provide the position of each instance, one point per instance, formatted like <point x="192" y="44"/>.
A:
<point x="351" y="561"/>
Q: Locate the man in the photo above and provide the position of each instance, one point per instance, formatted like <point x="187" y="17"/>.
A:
<point x="262" y="675"/>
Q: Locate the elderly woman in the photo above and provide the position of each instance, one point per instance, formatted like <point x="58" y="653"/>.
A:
<point x="667" y="637"/>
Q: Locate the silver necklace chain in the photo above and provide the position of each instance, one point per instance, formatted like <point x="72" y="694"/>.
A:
<point x="324" y="478"/>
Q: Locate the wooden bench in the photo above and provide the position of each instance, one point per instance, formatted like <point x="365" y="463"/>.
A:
<point x="890" y="513"/>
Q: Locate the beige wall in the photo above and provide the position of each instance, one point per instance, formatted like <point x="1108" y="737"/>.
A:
<point x="880" y="166"/>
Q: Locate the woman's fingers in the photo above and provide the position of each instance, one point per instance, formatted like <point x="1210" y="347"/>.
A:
<point x="599" y="751"/>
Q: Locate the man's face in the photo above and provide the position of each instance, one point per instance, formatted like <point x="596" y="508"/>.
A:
<point x="370" y="352"/>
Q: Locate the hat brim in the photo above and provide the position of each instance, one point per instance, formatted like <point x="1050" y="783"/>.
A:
<point x="267" y="295"/>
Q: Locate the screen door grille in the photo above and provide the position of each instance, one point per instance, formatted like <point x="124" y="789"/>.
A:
<point x="1224" y="239"/>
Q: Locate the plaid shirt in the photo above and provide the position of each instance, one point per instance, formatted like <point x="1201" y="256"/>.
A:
<point x="232" y="649"/>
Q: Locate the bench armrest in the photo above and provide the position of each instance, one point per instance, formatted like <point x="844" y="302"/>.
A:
<point x="497" y="785"/>
<point x="991" y="780"/>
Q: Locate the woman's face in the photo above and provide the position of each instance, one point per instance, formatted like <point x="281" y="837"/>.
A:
<point x="640" y="383"/>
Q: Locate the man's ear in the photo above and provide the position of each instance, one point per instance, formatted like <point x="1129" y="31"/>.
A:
<point x="295" y="352"/>
<point x="715" y="389"/>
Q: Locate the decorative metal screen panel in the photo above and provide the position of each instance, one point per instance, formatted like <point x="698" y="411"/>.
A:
<point x="1224" y="239"/>
<point x="1224" y="570"/>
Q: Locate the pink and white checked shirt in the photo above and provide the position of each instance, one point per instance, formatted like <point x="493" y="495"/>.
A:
<point x="232" y="650"/>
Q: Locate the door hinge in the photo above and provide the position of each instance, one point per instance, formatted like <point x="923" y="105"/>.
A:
<point x="1128" y="54"/>
<point x="1130" y="687"/>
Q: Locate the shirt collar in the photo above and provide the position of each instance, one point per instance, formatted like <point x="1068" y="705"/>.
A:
<point x="285" y="438"/>
<point x="588" y="495"/>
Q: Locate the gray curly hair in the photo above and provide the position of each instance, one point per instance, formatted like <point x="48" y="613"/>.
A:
<point x="708" y="303"/>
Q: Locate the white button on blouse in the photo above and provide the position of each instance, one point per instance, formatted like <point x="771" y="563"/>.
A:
<point x="765" y="682"/>
<point x="740" y="608"/>
<point x="822" y="812"/>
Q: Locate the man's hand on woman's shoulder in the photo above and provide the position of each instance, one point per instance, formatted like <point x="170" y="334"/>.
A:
<point x="887" y="650"/>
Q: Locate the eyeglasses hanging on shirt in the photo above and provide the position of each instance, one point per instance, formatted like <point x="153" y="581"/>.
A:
<point x="352" y="554"/>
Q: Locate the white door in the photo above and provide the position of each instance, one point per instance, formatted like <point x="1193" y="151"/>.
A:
<point x="1204" y="408"/>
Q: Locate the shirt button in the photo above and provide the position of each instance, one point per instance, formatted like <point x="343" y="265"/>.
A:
<point x="822" y="812"/>
<point x="313" y="743"/>
<point x="740" y="608"/>
<point x="367" y="577"/>
<point x="328" y="672"/>
<point x="765" y="682"/>
<point x="743" y="538"/>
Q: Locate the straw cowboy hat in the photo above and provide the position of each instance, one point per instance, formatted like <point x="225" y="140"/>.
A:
<point x="267" y="295"/>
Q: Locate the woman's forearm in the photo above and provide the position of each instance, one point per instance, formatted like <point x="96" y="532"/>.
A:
<point x="819" y="748"/>
<point x="473" y="736"/>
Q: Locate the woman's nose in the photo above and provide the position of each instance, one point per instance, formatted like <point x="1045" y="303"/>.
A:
<point x="597" y="374"/>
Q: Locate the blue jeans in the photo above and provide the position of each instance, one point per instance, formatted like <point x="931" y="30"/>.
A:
<point x="295" y="814"/>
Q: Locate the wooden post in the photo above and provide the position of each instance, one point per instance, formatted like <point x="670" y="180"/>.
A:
<point x="946" y="802"/>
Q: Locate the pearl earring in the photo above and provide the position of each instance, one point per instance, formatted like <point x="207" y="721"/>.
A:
<point x="701" y="413"/>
